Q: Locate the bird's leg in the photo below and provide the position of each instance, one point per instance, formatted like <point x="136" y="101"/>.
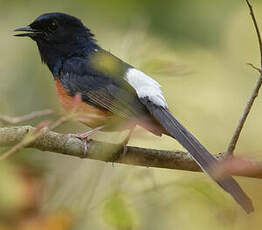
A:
<point x="125" y="142"/>
<point x="85" y="137"/>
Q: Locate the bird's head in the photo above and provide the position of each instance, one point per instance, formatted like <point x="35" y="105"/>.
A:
<point x="54" y="27"/>
<point x="58" y="36"/>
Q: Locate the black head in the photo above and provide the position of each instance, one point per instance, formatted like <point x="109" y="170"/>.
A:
<point x="54" y="27"/>
<point x="58" y="36"/>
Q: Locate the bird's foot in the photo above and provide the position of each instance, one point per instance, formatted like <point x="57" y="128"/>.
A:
<point x="126" y="140"/>
<point x="85" y="138"/>
<point x="124" y="150"/>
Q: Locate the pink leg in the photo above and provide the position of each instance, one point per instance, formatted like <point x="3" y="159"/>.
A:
<point x="125" y="142"/>
<point x="85" y="137"/>
<point x="129" y="135"/>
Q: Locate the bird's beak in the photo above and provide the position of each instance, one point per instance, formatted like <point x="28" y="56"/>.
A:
<point x="29" y="31"/>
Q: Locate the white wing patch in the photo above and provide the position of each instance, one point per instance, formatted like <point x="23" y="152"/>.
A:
<point x="145" y="86"/>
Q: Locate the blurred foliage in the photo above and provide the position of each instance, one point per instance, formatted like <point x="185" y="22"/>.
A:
<point x="197" y="50"/>
<point x="116" y="212"/>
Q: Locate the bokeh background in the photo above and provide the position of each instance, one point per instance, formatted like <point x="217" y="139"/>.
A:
<point x="197" y="50"/>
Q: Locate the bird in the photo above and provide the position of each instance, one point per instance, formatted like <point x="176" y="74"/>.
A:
<point x="114" y="94"/>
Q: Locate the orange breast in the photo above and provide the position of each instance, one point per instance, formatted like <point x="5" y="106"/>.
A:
<point x="87" y="114"/>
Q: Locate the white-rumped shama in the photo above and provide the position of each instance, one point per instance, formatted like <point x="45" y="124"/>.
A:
<point x="114" y="94"/>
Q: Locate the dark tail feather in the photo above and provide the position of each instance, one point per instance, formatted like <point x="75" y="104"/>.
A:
<point x="199" y="153"/>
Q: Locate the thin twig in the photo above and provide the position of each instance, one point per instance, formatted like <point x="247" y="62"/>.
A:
<point x="32" y="136"/>
<point x="33" y="115"/>
<point x="42" y="128"/>
<point x="36" y="133"/>
<point x="255" y="68"/>
<point x="251" y="100"/>
<point x="256" y="28"/>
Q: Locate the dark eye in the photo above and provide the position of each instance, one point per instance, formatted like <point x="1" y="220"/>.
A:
<point x="53" y="25"/>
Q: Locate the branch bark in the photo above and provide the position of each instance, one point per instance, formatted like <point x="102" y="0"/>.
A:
<point x="71" y="146"/>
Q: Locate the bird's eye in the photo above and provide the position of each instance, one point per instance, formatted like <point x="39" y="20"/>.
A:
<point x="53" y="26"/>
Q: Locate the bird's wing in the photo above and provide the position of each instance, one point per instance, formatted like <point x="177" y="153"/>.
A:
<point x="98" y="80"/>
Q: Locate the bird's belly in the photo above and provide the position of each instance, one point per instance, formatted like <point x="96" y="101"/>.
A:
<point x="85" y="113"/>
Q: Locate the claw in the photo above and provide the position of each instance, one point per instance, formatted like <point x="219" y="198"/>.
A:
<point x="124" y="150"/>
<point x="125" y="142"/>
<point x="84" y="137"/>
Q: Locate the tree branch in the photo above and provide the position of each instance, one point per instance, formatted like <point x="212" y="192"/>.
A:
<point x="256" y="28"/>
<point x="64" y="144"/>
<point x="14" y="120"/>
<point x="251" y="100"/>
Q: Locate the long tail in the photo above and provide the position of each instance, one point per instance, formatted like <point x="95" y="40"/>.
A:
<point x="199" y="153"/>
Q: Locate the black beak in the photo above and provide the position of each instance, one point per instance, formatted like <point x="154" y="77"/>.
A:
<point x="29" y="31"/>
